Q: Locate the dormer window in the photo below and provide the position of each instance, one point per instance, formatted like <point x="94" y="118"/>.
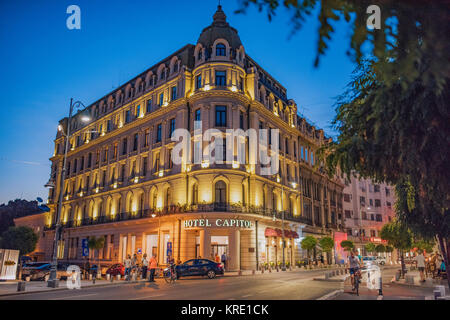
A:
<point x="163" y="75"/>
<point x="220" y="49"/>
<point x="199" y="56"/>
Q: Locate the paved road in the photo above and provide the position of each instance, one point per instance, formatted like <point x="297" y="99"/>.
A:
<point x="279" y="285"/>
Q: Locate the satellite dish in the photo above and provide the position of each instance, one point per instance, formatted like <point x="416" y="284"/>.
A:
<point x="43" y="207"/>
<point x="39" y="199"/>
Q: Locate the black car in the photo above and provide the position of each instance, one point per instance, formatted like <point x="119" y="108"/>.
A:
<point x="199" y="267"/>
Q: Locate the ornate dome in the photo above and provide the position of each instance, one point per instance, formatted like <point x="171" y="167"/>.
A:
<point x="219" y="29"/>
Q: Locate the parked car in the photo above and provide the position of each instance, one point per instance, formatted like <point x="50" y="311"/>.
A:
<point x="381" y="260"/>
<point x="41" y="271"/>
<point x="116" y="269"/>
<point x="369" y="260"/>
<point x="199" y="267"/>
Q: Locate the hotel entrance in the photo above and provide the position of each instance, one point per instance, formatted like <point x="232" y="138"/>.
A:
<point x="219" y="245"/>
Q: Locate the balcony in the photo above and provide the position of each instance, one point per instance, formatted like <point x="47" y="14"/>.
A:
<point x="176" y="209"/>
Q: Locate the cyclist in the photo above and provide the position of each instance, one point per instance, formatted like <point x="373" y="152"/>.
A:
<point x="354" y="266"/>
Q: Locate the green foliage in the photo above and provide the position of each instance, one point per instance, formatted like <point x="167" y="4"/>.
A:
<point x="423" y="245"/>
<point x="389" y="248"/>
<point x="348" y="245"/>
<point x="309" y="243"/>
<point x="370" y="247"/>
<point x="23" y="239"/>
<point x="16" y="209"/>
<point x="397" y="235"/>
<point x="380" y="248"/>
<point x="96" y="243"/>
<point x="326" y="244"/>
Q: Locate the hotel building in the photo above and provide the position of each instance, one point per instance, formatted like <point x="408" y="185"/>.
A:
<point x="121" y="182"/>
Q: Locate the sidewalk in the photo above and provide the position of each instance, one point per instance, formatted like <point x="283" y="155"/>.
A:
<point x="10" y="287"/>
<point x="412" y="278"/>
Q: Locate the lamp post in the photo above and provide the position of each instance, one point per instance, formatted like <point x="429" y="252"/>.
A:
<point x="283" y="265"/>
<point x="53" y="281"/>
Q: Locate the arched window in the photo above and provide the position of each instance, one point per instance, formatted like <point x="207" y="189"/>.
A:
<point x="155" y="199"/>
<point x="195" y="194"/>
<point x="220" y="192"/>
<point x="167" y="203"/>
<point x="199" y="55"/>
<point x="130" y="204"/>
<point x="220" y="49"/>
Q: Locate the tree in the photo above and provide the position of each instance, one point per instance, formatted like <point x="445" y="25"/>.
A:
<point x="23" y="239"/>
<point x="380" y="248"/>
<point x="96" y="244"/>
<point x="370" y="247"/>
<point x="309" y="243"/>
<point x="393" y="120"/>
<point x="16" y="209"/>
<point x="327" y="245"/>
<point x="398" y="236"/>
<point x="423" y="245"/>
<point x="348" y="245"/>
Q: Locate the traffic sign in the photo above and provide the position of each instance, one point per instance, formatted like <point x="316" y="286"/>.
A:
<point x="85" y="247"/>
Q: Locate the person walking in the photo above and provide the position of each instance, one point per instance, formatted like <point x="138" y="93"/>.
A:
<point x="134" y="265"/>
<point x="420" y="260"/>
<point x="127" y="265"/>
<point x="152" y="265"/>
<point x="224" y="260"/>
<point x="144" y="263"/>
<point x="217" y="258"/>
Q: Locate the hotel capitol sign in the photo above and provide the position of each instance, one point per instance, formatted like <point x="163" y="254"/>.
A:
<point x="219" y="223"/>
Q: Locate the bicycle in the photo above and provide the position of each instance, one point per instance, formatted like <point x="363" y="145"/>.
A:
<point x="170" y="274"/>
<point x="356" y="281"/>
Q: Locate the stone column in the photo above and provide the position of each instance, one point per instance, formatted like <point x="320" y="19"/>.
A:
<point x="205" y="244"/>
<point x="235" y="250"/>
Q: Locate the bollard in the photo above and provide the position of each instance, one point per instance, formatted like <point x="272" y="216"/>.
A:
<point x="90" y="276"/>
<point x="108" y="276"/>
<point x="21" y="286"/>
<point x="118" y="277"/>
<point x="441" y="290"/>
<point x="436" y="294"/>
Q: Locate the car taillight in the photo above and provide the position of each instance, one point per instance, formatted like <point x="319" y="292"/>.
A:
<point x="219" y="265"/>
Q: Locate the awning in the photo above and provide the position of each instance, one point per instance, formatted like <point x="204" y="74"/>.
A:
<point x="270" y="232"/>
<point x="295" y="235"/>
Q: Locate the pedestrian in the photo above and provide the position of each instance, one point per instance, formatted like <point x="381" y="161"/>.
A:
<point x="217" y="258"/>
<point x="144" y="266"/>
<point x="224" y="260"/>
<point x="420" y="260"/>
<point x="152" y="264"/>
<point x="127" y="264"/>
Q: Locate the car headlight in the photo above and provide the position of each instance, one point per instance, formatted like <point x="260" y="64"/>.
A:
<point x="166" y="269"/>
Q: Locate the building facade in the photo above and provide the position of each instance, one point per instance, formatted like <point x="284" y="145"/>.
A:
<point x="367" y="207"/>
<point x="121" y="182"/>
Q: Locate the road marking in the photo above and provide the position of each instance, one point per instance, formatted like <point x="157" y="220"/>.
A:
<point x="331" y="295"/>
<point x="75" y="297"/>
<point x="247" y="295"/>
<point x="146" y="297"/>
<point x="263" y="291"/>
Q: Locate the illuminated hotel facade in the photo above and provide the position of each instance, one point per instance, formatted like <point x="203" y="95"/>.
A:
<point x="121" y="183"/>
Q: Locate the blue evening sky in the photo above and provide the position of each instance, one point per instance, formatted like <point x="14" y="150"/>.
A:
<point x="43" y="65"/>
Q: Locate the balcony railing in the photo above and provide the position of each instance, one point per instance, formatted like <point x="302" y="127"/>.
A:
<point x="176" y="209"/>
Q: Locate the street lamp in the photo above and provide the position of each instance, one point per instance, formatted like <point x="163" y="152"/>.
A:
<point x="53" y="281"/>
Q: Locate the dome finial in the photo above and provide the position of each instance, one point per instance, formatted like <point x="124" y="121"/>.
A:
<point x="219" y="17"/>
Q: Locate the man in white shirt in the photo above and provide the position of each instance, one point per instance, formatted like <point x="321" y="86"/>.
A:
<point x="420" y="260"/>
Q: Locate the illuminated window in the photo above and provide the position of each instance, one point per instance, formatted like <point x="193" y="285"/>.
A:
<point x="158" y="133"/>
<point x="220" y="192"/>
<point x="198" y="82"/>
<point x="221" y="116"/>
<point x="221" y="78"/>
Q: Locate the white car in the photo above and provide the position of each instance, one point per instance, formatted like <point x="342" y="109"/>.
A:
<point x="381" y="260"/>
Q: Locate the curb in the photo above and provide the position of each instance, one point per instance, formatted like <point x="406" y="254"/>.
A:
<point x="328" y="280"/>
<point x="331" y="295"/>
